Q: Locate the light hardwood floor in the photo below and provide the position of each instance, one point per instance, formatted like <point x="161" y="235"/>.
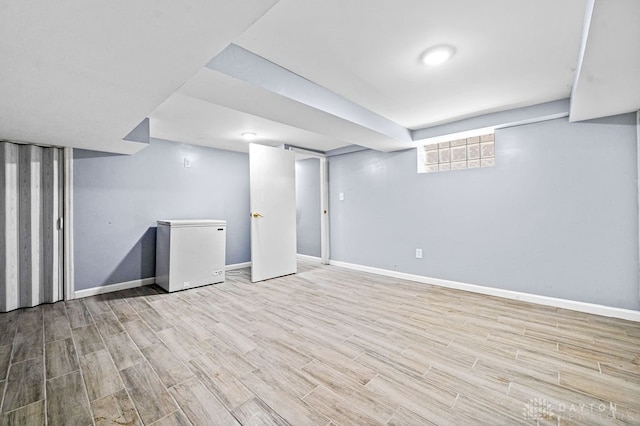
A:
<point x="325" y="346"/>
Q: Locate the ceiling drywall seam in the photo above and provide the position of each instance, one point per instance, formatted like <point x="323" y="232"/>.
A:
<point x="588" y="15"/>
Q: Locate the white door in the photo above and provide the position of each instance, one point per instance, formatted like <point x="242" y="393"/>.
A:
<point x="273" y="212"/>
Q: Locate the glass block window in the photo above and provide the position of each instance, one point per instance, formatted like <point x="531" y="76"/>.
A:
<point x="467" y="153"/>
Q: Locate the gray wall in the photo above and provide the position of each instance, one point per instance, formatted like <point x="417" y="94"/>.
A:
<point x="557" y="216"/>
<point x="118" y="198"/>
<point x="308" y="206"/>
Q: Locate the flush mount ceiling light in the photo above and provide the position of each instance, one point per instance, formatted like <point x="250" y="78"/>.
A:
<point x="436" y="55"/>
<point x="249" y="136"/>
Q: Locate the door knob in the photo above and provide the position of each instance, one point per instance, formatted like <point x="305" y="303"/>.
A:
<point x="256" y="215"/>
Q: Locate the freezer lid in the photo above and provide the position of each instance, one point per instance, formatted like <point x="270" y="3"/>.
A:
<point x="192" y="222"/>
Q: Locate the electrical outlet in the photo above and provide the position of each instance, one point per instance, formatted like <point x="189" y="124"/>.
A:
<point x="418" y="253"/>
<point x="187" y="162"/>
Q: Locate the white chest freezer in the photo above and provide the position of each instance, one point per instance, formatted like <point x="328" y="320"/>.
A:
<point x="190" y="253"/>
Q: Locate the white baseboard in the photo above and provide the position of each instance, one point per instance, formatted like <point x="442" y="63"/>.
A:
<point x="238" y="266"/>
<point x="589" y="308"/>
<point x="309" y="258"/>
<point x="113" y="287"/>
<point x="136" y="283"/>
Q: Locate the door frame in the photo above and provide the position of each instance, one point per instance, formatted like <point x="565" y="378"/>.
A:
<point x="67" y="226"/>
<point x="324" y="199"/>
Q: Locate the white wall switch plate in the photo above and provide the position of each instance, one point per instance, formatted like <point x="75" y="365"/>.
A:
<point x="341" y="196"/>
<point x="418" y="253"/>
<point x="187" y="162"/>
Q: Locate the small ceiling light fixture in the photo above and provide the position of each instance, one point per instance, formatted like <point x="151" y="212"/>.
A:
<point x="249" y="136"/>
<point x="436" y="55"/>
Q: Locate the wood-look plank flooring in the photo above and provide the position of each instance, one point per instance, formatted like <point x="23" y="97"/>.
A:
<point x="326" y="346"/>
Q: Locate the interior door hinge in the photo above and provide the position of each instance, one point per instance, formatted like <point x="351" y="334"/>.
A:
<point x="60" y="223"/>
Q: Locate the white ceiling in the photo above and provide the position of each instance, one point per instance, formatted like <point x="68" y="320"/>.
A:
<point x="509" y="53"/>
<point x="84" y="75"/>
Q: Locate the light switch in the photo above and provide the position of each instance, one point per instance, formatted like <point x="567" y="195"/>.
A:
<point x="341" y="196"/>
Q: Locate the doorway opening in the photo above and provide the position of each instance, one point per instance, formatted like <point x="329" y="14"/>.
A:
<point x="312" y="215"/>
